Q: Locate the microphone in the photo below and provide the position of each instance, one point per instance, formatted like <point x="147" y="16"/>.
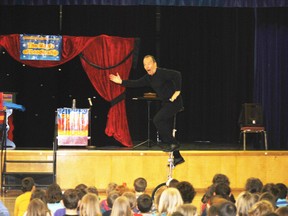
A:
<point x="90" y="102"/>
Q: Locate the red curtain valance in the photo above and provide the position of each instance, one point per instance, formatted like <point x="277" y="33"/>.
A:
<point x="103" y="51"/>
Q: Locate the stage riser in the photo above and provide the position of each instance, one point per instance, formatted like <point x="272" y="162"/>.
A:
<point x="98" y="168"/>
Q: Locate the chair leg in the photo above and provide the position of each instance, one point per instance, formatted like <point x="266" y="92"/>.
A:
<point x="265" y="140"/>
<point x="244" y="140"/>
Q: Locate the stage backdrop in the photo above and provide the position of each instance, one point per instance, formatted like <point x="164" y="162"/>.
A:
<point x="229" y="53"/>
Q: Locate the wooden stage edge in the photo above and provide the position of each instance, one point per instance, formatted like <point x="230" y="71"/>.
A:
<point x="100" y="167"/>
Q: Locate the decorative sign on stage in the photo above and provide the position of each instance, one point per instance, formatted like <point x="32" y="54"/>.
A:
<point x="73" y="126"/>
<point x="40" y="47"/>
<point x="7" y="105"/>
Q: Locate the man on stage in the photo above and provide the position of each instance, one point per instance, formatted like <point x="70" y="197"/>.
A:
<point x="167" y="85"/>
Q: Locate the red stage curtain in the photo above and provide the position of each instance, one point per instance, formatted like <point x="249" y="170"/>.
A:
<point x="104" y="51"/>
<point x="99" y="76"/>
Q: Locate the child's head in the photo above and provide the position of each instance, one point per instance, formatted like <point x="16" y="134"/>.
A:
<point x="112" y="196"/>
<point x="121" y="206"/>
<point x="28" y="184"/>
<point x="90" y="205"/>
<point x="144" y="203"/>
<point x="225" y="208"/>
<point x="92" y="189"/>
<point x="140" y="184"/>
<point x="187" y="191"/>
<point x="111" y="187"/>
<point x="81" y="187"/>
<point x="81" y="190"/>
<point x="220" y="178"/>
<point x="187" y="209"/>
<point x="40" y="194"/>
<point x="54" y="193"/>
<point x="70" y="199"/>
<point x="37" y="207"/>
<point x="131" y="197"/>
<point x="282" y="190"/>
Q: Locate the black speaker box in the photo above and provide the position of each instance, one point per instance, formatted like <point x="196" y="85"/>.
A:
<point x="251" y="115"/>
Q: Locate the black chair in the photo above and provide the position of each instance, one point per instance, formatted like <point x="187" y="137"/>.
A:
<point x="251" y="121"/>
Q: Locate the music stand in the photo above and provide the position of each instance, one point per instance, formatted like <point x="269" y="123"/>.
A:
<point x="148" y="141"/>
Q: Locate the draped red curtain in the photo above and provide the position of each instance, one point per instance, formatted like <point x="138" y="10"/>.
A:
<point x="98" y="65"/>
<point x="104" y="51"/>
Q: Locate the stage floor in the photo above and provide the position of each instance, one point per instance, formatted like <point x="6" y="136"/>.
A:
<point x="184" y="146"/>
<point x="153" y="146"/>
<point x="194" y="146"/>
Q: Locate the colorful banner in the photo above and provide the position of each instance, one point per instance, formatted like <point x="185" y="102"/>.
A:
<point x="40" y="47"/>
<point x="73" y="126"/>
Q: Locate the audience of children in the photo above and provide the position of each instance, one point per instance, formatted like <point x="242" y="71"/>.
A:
<point x="255" y="200"/>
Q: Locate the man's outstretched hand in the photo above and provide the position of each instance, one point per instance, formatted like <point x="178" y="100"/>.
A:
<point x="115" y="78"/>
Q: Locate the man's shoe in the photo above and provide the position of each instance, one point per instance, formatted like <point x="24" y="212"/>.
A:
<point x="178" y="161"/>
<point x="171" y="148"/>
